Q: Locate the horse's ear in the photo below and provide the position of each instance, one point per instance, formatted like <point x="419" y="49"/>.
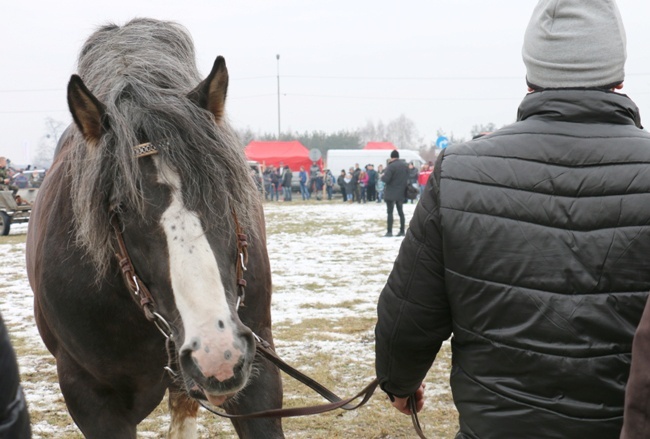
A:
<point x="210" y="94"/>
<point x="88" y="113"/>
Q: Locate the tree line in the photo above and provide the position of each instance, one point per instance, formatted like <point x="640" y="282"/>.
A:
<point x="401" y="132"/>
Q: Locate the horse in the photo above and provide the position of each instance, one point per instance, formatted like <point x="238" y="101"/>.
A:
<point x="144" y="224"/>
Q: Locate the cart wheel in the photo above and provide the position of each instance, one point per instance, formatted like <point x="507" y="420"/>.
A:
<point x="5" y="223"/>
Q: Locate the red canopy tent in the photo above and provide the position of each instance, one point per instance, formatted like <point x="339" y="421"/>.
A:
<point x="379" y="145"/>
<point x="292" y="153"/>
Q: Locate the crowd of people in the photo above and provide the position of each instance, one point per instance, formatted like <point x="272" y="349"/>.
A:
<point x="356" y="185"/>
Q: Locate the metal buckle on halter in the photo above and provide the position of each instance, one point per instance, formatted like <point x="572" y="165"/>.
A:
<point x="171" y="371"/>
<point x="241" y="257"/>
<point x="144" y="149"/>
<point x="165" y="326"/>
<point x="239" y="301"/>
<point x="136" y="291"/>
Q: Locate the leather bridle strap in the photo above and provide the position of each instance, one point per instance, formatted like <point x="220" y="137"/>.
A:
<point x="336" y="402"/>
<point x="139" y="291"/>
<point x="242" y="260"/>
<point x="267" y="351"/>
<point x="414" y="417"/>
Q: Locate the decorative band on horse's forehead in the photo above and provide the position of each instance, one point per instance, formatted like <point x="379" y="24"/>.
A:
<point x="145" y="149"/>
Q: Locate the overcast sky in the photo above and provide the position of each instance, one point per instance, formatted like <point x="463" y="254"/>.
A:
<point x="444" y="64"/>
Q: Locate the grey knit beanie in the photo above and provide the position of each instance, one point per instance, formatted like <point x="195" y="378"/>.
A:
<point x="575" y="43"/>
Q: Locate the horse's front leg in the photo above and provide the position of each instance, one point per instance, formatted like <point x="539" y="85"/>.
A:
<point x="183" y="411"/>
<point x="104" y="411"/>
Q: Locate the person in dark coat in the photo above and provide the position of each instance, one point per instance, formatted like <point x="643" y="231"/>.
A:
<point x="636" y="423"/>
<point x="342" y="185"/>
<point x="356" y="190"/>
<point x="372" y="182"/>
<point x="287" y="176"/>
<point x="413" y="179"/>
<point x="275" y="182"/>
<point x="396" y="178"/>
<point x="14" y="417"/>
<point x="530" y="245"/>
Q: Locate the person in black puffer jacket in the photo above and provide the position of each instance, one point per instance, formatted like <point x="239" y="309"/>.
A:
<point x="530" y="245"/>
<point x="14" y="417"/>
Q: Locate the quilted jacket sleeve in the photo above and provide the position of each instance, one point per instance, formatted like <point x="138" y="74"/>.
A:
<point x="413" y="312"/>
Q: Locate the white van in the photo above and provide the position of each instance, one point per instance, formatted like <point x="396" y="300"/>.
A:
<point x="338" y="159"/>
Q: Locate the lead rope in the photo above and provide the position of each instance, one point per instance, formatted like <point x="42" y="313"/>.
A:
<point x="336" y="402"/>
<point x="414" y="417"/>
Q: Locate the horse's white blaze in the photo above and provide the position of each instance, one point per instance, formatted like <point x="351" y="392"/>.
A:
<point x="198" y="290"/>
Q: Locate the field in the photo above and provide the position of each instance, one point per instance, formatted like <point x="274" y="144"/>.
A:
<point x="329" y="262"/>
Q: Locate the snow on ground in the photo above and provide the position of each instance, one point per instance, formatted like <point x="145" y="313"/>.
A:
<point x="328" y="259"/>
<point x="341" y="253"/>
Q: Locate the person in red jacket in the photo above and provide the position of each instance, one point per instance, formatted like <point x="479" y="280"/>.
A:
<point x="423" y="177"/>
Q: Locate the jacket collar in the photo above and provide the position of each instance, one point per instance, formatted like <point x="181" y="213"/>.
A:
<point x="580" y="105"/>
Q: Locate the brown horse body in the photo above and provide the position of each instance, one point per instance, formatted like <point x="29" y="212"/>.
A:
<point x="175" y="209"/>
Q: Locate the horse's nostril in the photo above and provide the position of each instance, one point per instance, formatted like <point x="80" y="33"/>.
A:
<point x="195" y="344"/>
<point x="187" y="358"/>
<point x="186" y="353"/>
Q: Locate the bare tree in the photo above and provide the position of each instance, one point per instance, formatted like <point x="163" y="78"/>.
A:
<point x="373" y="133"/>
<point x="46" y="146"/>
<point x="403" y="133"/>
<point x="482" y="129"/>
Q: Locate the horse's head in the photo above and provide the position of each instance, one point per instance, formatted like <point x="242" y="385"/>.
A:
<point x="176" y="210"/>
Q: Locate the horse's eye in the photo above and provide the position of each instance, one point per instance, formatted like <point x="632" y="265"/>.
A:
<point x="120" y="208"/>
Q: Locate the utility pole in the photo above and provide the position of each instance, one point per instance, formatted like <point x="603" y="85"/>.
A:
<point x="277" y="57"/>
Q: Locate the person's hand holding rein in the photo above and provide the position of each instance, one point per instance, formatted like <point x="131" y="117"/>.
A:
<point x="402" y="404"/>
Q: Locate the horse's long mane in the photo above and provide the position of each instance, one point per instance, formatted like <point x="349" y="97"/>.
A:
<point x="142" y="73"/>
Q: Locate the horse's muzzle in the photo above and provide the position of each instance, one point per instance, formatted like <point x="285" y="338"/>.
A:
<point x="219" y="367"/>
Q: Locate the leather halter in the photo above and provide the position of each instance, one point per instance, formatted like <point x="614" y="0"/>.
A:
<point x="145" y="300"/>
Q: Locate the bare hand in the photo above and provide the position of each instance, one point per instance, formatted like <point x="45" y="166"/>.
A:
<point x="402" y="404"/>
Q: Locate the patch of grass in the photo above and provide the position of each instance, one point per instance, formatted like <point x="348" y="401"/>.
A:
<point x="302" y="225"/>
<point x="378" y="419"/>
<point x="14" y="277"/>
<point x="346" y="304"/>
<point x="317" y="327"/>
<point x="313" y="287"/>
<point x="22" y="346"/>
<point x="346" y="375"/>
<point x="58" y="424"/>
<point x="13" y="239"/>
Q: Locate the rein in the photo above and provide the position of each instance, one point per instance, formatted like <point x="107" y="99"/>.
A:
<point x="143" y="297"/>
